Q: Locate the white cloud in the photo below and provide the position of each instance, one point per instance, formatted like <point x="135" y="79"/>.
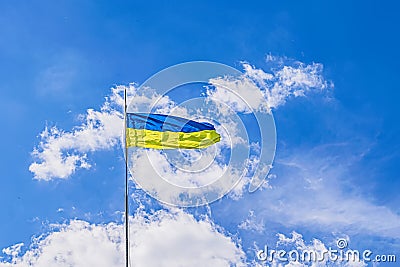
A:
<point x="177" y="239"/>
<point x="182" y="184"/>
<point x="252" y="223"/>
<point x="162" y="239"/>
<point x="60" y="153"/>
<point x="240" y="94"/>
<point x="76" y="244"/>
<point x="321" y="184"/>
<point x="260" y="91"/>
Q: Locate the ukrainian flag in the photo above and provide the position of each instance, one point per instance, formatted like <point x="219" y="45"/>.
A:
<point x="168" y="132"/>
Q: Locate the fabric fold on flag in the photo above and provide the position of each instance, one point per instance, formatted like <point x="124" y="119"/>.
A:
<point x="159" y="131"/>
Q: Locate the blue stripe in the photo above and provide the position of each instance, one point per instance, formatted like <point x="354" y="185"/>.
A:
<point x="162" y="123"/>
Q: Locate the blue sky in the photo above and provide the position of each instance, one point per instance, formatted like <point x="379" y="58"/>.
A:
<point x="336" y="163"/>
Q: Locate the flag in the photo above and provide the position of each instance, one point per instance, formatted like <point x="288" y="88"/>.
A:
<point x="160" y="131"/>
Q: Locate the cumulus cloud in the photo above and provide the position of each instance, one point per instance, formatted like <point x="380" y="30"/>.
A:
<point x="257" y="90"/>
<point x="60" y="153"/>
<point x="239" y="93"/>
<point x="161" y="239"/>
<point x="196" y="183"/>
<point x="75" y="244"/>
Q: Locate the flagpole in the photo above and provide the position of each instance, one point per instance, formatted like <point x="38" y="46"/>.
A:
<point x="126" y="189"/>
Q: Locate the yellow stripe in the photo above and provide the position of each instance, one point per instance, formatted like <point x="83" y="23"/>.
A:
<point x="170" y="140"/>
